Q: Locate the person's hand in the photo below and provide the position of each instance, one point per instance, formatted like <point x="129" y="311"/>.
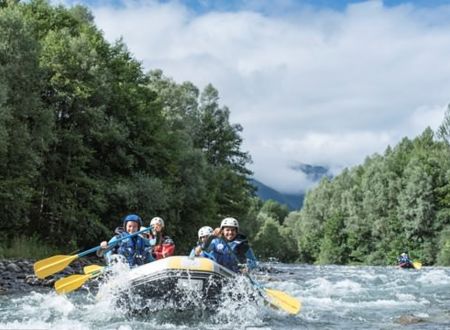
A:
<point x="243" y="268"/>
<point x="198" y="250"/>
<point x="217" y="232"/>
<point x="104" y="244"/>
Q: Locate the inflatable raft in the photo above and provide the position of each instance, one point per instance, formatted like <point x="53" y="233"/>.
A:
<point x="175" y="282"/>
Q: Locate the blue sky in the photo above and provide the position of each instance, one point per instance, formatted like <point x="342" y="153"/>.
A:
<point x="318" y="82"/>
<point x="202" y="6"/>
<point x="262" y="5"/>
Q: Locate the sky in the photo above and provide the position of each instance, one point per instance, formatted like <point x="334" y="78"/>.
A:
<point x="317" y="82"/>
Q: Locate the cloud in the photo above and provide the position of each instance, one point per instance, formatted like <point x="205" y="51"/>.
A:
<point x="311" y="85"/>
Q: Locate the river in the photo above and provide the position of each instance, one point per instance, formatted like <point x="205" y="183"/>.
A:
<point x="333" y="297"/>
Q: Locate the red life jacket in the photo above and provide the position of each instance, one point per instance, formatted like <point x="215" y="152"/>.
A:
<point x="165" y="248"/>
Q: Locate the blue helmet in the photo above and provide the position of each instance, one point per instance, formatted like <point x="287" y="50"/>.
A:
<point x="132" y="217"/>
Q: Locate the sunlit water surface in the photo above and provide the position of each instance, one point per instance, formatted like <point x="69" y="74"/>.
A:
<point x="333" y="297"/>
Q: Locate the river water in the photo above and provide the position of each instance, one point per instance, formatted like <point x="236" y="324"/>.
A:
<point x="333" y="297"/>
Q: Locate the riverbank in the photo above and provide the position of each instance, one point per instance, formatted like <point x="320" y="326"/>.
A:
<point x="17" y="275"/>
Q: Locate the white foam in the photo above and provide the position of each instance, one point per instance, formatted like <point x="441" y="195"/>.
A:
<point x="325" y="288"/>
<point x="43" y="306"/>
<point x="436" y="277"/>
<point x="405" y="297"/>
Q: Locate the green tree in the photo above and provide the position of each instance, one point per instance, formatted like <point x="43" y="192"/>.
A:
<point x="443" y="257"/>
<point x="333" y="249"/>
<point x="443" y="131"/>
<point x="269" y="242"/>
<point x="275" y="210"/>
<point x="221" y="143"/>
<point x="25" y="126"/>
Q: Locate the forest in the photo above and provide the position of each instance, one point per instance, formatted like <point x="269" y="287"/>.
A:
<point x="88" y="136"/>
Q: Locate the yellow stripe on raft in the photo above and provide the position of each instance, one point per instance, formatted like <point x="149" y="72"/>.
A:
<point x="200" y="264"/>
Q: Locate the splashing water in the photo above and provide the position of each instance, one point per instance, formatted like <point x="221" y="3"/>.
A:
<point x="333" y="297"/>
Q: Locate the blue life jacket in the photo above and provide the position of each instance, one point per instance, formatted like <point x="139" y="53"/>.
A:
<point x="404" y="260"/>
<point x="232" y="254"/>
<point x="136" y="250"/>
<point x="203" y="253"/>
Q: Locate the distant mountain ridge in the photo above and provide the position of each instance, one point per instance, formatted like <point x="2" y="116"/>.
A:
<point x="294" y="202"/>
<point x="313" y="172"/>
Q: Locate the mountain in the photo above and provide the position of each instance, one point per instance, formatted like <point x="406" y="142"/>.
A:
<point x="293" y="201"/>
<point x="314" y="173"/>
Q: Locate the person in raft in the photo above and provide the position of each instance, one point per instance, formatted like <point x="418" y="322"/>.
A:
<point x="163" y="246"/>
<point x="203" y="234"/>
<point x="404" y="261"/>
<point x="135" y="250"/>
<point x="230" y="248"/>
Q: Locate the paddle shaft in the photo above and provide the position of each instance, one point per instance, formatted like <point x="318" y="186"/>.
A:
<point x="52" y="265"/>
<point x="95" y="249"/>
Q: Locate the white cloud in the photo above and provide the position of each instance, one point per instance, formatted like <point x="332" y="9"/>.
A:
<point x="336" y="151"/>
<point x="312" y="85"/>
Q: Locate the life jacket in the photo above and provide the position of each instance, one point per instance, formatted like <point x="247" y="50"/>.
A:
<point x="203" y="254"/>
<point x="134" y="249"/>
<point x="230" y="254"/>
<point x="405" y="262"/>
<point x="164" y="247"/>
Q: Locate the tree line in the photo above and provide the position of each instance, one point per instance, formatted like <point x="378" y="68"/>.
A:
<point x="395" y="202"/>
<point x="369" y="214"/>
<point x="86" y="136"/>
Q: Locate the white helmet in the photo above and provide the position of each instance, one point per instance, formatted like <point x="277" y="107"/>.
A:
<point x="205" y="231"/>
<point x="157" y="220"/>
<point x="229" y="222"/>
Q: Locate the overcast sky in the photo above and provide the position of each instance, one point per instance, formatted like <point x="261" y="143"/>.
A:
<point x="318" y="82"/>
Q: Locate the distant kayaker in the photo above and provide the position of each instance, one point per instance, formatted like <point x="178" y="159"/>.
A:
<point x="231" y="248"/>
<point x="203" y="234"/>
<point x="136" y="250"/>
<point x="163" y="246"/>
<point x="404" y="261"/>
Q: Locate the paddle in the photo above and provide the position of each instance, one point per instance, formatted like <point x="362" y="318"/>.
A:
<point x="92" y="268"/>
<point x="276" y="298"/>
<point x="73" y="282"/>
<point x="417" y="264"/>
<point x="52" y="265"/>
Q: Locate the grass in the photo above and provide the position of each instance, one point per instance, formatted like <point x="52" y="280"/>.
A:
<point x="26" y="247"/>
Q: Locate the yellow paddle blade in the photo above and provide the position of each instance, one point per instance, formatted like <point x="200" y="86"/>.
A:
<point x="52" y="265"/>
<point x="71" y="283"/>
<point x="417" y="264"/>
<point x="92" y="269"/>
<point x="283" y="301"/>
